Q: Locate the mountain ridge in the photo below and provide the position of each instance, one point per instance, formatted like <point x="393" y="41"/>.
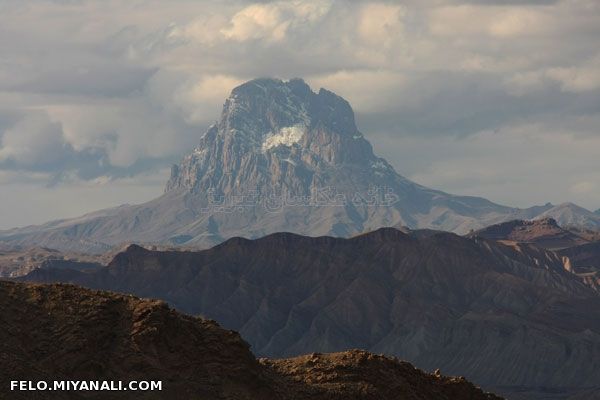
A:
<point x="469" y="306"/>
<point x="280" y="158"/>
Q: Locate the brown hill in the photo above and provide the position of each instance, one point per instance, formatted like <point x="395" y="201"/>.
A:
<point x="545" y="233"/>
<point x="66" y="332"/>
<point x="580" y="245"/>
<point x="508" y="316"/>
<point x="357" y="374"/>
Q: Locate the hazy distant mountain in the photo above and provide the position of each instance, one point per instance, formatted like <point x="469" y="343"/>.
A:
<point x="510" y="317"/>
<point x="70" y="333"/>
<point x="571" y="214"/>
<point x="280" y="158"/>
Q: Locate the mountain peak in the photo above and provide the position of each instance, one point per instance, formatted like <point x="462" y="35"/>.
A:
<point x="283" y="157"/>
<point x="135" y="248"/>
<point x="275" y="132"/>
<point x="254" y="86"/>
<point x="572" y="214"/>
<point x="266" y="105"/>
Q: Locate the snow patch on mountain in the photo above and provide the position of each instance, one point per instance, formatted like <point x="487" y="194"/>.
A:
<point x="286" y="136"/>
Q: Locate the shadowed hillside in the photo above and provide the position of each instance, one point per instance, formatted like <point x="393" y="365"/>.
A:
<point x="65" y="332"/>
<point x="508" y="316"/>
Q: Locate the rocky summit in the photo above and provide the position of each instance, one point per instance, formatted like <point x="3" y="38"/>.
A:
<point x="280" y="158"/>
<point x="62" y="332"/>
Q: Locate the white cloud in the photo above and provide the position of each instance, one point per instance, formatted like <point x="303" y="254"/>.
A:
<point x="204" y="92"/>
<point x="34" y="140"/>
<point x="518" y="23"/>
<point x="584" y="77"/>
<point x="272" y="21"/>
<point x="95" y="91"/>
<point x="368" y="90"/>
<point x="380" y="23"/>
<point x="204" y="29"/>
<point x="504" y="22"/>
<point x="126" y="131"/>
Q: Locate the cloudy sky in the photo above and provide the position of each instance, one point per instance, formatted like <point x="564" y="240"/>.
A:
<point x="493" y="98"/>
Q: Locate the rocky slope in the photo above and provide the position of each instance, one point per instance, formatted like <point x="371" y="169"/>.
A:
<point x="66" y="332"/>
<point x="590" y="235"/>
<point x="585" y="255"/>
<point x="357" y="374"/>
<point x="509" y="317"/>
<point x="585" y="260"/>
<point x="280" y="158"/>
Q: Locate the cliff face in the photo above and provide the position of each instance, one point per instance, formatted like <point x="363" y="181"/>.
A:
<point x="273" y="136"/>
<point x="59" y="332"/>
<point x="507" y="316"/>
